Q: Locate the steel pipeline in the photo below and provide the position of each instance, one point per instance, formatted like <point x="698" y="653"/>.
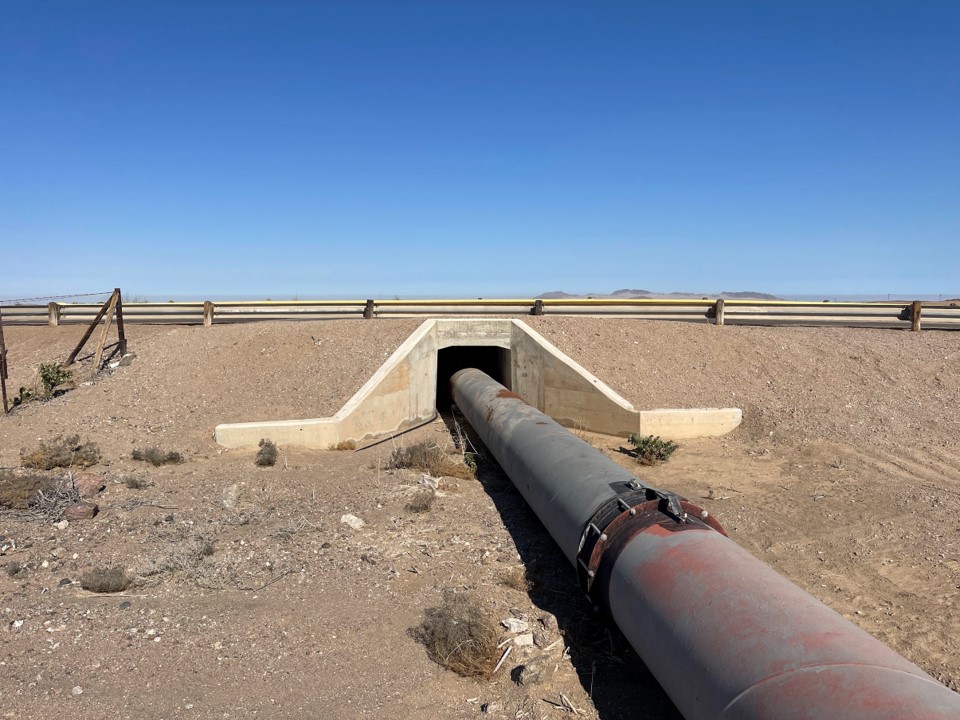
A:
<point x="725" y="635"/>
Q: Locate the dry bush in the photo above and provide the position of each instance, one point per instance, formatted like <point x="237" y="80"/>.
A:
<point x="459" y="636"/>
<point x="105" y="580"/>
<point x="157" y="457"/>
<point x="346" y="445"/>
<point x="62" y="451"/>
<point x="516" y="578"/>
<point x="421" y="502"/>
<point x="429" y="458"/>
<point x="184" y="553"/>
<point x="267" y="455"/>
<point x="20" y="492"/>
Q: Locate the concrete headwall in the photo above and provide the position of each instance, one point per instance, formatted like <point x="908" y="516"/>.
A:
<point x="402" y="393"/>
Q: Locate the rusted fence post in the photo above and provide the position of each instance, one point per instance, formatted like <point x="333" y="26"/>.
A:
<point x="915" y="310"/>
<point x="368" y="310"/>
<point x="718" y="312"/>
<point x="53" y="314"/>
<point x="208" y="310"/>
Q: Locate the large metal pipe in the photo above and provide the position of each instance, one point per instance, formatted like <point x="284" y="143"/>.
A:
<point x="724" y="634"/>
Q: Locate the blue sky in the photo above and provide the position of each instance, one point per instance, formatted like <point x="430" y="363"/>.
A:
<point x="479" y="148"/>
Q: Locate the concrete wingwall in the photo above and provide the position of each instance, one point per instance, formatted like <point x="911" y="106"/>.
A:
<point x="402" y="393"/>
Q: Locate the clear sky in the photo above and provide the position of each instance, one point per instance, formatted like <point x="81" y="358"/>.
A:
<point x="479" y="148"/>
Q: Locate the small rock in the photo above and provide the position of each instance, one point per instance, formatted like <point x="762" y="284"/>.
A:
<point x="125" y="605"/>
<point x="77" y="690"/>
<point x="490" y="708"/>
<point x="515" y="626"/>
<point x="549" y="623"/>
<point x="325" y="545"/>
<point x="230" y="496"/>
<point x="523" y="640"/>
<point x="353" y="521"/>
<point x="88" y="484"/>
<point x="541" y="638"/>
<point x="533" y="673"/>
<point x="66" y="581"/>
<point x="81" y="511"/>
<point x="61" y="525"/>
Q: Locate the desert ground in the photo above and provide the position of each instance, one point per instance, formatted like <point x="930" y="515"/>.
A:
<point x="249" y="597"/>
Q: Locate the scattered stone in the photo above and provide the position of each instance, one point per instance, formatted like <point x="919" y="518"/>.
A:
<point x="88" y="484"/>
<point x="549" y="623"/>
<point x="515" y="626"/>
<point x="168" y="519"/>
<point x="541" y="638"/>
<point x="230" y="496"/>
<point x="81" y="511"/>
<point x="77" y="690"/>
<point x="525" y="640"/>
<point x="126" y="605"/>
<point x="61" y="525"/>
<point x="325" y="545"/>
<point x="533" y="673"/>
<point x="66" y="581"/>
<point x="353" y="521"/>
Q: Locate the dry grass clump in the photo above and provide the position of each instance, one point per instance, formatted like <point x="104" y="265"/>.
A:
<point x="268" y="453"/>
<point x="184" y="553"/>
<point x="105" y="580"/>
<point x="19" y="492"/>
<point x="346" y="445"/>
<point x="516" y="578"/>
<point x="62" y="451"/>
<point x="429" y="458"/>
<point x="421" y="502"/>
<point x="157" y="457"/>
<point x="459" y="636"/>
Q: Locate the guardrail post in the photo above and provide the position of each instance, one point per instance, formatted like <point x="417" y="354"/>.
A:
<point x="208" y="309"/>
<point x="915" y="310"/>
<point x="537" y="307"/>
<point x="718" y="312"/>
<point x="53" y="314"/>
<point x="368" y="310"/>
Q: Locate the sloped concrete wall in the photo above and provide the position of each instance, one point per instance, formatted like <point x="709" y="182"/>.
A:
<point x="402" y="393"/>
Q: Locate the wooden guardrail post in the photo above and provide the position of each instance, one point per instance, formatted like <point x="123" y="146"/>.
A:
<point x="368" y="310"/>
<point x="121" y="334"/>
<point x="718" y="312"/>
<point x="53" y="314"/>
<point x="3" y="367"/>
<point x="915" y="310"/>
<point x="208" y="310"/>
<point x="537" y="307"/>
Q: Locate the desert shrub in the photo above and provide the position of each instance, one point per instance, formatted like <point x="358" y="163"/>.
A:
<point x="62" y="451"/>
<point x="105" y="580"/>
<point x="516" y="578"/>
<point x="19" y="492"/>
<point x="346" y="445"/>
<point x="25" y="396"/>
<point x="650" y="449"/>
<point x="157" y="457"/>
<point x="459" y="635"/>
<point x="267" y="454"/>
<point x="421" y="502"/>
<point x="52" y="375"/>
<point x="429" y="458"/>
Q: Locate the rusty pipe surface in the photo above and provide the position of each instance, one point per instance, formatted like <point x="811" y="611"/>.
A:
<point x="725" y="635"/>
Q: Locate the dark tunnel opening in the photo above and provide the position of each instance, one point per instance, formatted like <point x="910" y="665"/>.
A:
<point x="494" y="361"/>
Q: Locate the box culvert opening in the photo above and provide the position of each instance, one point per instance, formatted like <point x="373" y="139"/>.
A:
<point x="494" y="361"/>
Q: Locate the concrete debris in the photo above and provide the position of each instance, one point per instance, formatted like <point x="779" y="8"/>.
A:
<point x="515" y="626"/>
<point x="353" y="521"/>
<point x="523" y="640"/>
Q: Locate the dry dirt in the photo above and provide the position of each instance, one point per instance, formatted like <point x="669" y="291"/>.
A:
<point x="251" y="599"/>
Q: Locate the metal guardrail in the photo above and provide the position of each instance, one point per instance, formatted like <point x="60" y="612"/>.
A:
<point x="905" y="315"/>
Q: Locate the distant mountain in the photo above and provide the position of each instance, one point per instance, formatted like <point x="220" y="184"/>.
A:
<point x="631" y="293"/>
<point x="554" y="295"/>
<point x="748" y="296"/>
